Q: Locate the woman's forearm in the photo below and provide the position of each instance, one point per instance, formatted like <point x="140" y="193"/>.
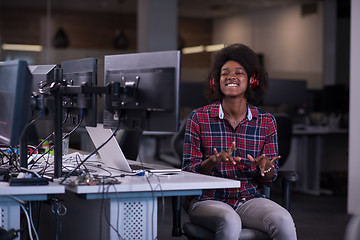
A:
<point x="207" y="166"/>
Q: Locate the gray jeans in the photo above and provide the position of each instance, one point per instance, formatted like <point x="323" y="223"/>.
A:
<point x="260" y="213"/>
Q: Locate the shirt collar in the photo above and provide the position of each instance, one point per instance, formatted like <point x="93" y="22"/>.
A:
<point x="222" y="114"/>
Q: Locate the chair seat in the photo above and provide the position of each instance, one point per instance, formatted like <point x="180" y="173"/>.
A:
<point x="196" y="232"/>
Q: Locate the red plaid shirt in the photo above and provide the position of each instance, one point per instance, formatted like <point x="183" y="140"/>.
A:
<point x="206" y="129"/>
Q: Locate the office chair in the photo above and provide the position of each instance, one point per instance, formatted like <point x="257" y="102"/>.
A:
<point x="196" y="232"/>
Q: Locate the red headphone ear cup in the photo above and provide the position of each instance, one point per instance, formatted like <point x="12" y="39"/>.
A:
<point x="212" y="84"/>
<point x="254" y="81"/>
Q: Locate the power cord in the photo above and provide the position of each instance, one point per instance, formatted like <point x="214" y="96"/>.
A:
<point x="8" y="234"/>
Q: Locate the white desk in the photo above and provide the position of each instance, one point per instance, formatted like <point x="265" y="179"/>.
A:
<point x="10" y="209"/>
<point x="310" y="147"/>
<point x="134" y="202"/>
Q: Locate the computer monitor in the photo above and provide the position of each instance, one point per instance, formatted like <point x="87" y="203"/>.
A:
<point x="15" y="93"/>
<point x="335" y="99"/>
<point x="193" y="95"/>
<point x="291" y="93"/>
<point x="77" y="73"/>
<point x="43" y="77"/>
<point x="144" y="91"/>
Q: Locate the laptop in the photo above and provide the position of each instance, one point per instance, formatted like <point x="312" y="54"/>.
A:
<point x="113" y="157"/>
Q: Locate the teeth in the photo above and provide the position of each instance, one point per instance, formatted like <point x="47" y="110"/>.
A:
<point x="232" y="85"/>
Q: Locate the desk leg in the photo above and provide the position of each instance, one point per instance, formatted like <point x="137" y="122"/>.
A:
<point x="176" y="209"/>
<point x="309" y="157"/>
<point x="317" y="164"/>
<point x="314" y="157"/>
<point x="10" y="215"/>
<point x="302" y="163"/>
<point x="134" y="218"/>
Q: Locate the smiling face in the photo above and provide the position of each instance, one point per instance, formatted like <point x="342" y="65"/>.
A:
<point x="233" y="79"/>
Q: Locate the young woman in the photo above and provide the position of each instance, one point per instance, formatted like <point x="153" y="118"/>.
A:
<point x="232" y="138"/>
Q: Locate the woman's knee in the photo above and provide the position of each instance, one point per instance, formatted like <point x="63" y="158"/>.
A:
<point x="229" y="226"/>
<point x="281" y="224"/>
<point x="282" y="219"/>
<point x="230" y="219"/>
<point x="217" y="217"/>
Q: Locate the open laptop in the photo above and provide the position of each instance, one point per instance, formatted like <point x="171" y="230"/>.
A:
<point x="113" y="157"/>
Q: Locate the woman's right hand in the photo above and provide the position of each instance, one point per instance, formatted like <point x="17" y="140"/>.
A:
<point x="226" y="155"/>
<point x="223" y="156"/>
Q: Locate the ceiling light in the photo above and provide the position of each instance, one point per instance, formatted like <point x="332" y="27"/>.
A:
<point x="213" y="48"/>
<point x="22" y="47"/>
<point x="196" y="49"/>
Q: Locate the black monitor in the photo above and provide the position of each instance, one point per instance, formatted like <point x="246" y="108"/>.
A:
<point x="77" y="73"/>
<point x="144" y="91"/>
<point x="43" y="77"/>
<point x="291" y="93"/>
<point x="15" y="94"/>
<point x="335" y="99"/>
<point x="193" y="95"/>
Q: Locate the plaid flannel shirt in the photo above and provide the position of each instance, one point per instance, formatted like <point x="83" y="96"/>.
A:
<point x="207" y="128"/>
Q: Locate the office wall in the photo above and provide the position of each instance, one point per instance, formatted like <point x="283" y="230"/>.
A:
<point x="91" y="35"/>
<point x="292" y="44"/>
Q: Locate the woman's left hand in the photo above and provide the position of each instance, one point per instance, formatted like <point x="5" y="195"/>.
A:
<point x="263" y="162"/>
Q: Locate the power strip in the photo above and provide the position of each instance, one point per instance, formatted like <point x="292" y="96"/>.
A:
<point x="3" y="215"/>
<point x="9" y="215"/>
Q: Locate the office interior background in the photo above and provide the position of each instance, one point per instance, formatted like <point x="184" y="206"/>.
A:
<point x="306" y="42"/>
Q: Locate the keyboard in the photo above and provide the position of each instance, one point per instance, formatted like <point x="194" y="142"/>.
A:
<point x="138" y="167"/>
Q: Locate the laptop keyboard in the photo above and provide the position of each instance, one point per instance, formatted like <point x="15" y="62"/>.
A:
<point x="138" y="167"/>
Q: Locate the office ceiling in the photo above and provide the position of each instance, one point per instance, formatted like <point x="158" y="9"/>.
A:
<point x="187" y="8"/>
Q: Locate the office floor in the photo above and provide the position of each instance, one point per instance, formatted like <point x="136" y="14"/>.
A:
<point x="321" y="217"/>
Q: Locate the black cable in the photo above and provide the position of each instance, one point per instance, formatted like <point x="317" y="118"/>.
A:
<point x="46" y="152"/>
<point x="41" y="143"/>
<point x="28" y="124"/>
<point x="47" y="138"/>
<point x="91" y="154"/>
<point x="13" y="158"/>
<point x="56" y="226"/>
<point x="153" y="207"/>
<point x="153" y="196"/>
<point x="52" y="147"/>
<point x="58" y="220"/>
<point x="85" y="168"/>
<point x="116" y="230"/>
<point x="5" y="155"/>
<point x="38" y="210"/>
<point x="82" y="111"/>
<point x="162" y="203"/>
<point x="104" y="169"/>
<point x="118" y="212"/>
<point x="101" y="211"/>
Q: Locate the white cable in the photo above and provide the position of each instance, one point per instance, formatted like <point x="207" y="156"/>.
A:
<point x="28" y="221"/>
<point x="16" y="199"/>
<point x="32" y="224"/>
<point x="113" y="228"/>
<point x="147" y="176"/>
